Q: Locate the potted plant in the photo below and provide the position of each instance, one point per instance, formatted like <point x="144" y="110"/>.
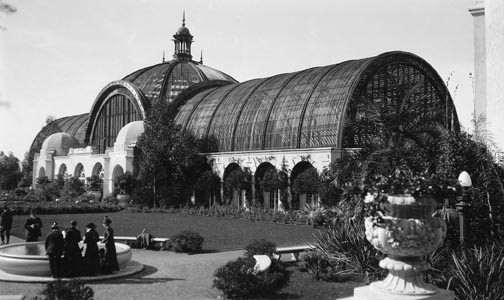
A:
<point x="125" y="184"/>
<point x="399" y="222"/>
<point x="94" y="187"/>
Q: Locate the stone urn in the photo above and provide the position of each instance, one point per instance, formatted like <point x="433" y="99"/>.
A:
<point x="408" y="233"/>
<point x="123" y="200"/>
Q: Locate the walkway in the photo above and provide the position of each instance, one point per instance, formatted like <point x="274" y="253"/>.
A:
<point x="166" y="275"/>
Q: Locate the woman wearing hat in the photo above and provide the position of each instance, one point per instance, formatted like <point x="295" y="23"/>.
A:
<point x="110" y="264"/>
<point x="91" y="256"/>
<point x="54" y="245"/>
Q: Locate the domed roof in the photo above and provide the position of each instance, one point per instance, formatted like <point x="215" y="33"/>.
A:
<point x="166" y="80"/>
<point x="73" y="125"/>
<point x="130" y="132"/>
<point x="59" y="142"/>
<point x="183" y="31"/>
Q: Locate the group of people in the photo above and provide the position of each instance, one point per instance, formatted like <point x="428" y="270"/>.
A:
<point x="65" y="253"/>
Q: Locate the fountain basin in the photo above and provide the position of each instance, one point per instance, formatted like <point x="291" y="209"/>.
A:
<point x="30" y="259"/>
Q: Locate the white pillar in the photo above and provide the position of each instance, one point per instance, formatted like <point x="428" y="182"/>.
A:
<point x="480" y="100"/>
<point x="494" y="25"/>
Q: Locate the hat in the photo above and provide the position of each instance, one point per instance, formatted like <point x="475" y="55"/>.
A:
<point x="73" y="223"/>
<point x="106" y="220"/>
<point x="91" y="225"/>
<point x="55" y="225"/>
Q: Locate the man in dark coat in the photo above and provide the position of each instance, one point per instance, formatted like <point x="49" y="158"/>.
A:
<point x="91" y="256"/>
<point x="5" y="225"/>
<point x="33" y="227"/>
<point x="73" y="255"/>
<point x="110" y="261"/>
<point x="54" y="245"/>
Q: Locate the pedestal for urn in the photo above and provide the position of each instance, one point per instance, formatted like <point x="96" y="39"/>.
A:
<point x="408" y="233"/>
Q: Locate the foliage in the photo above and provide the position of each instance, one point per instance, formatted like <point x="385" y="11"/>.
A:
<point x="347" y="247"/>
<point x="67" y="290"/>
<point x="318" y="264"/>
<point x="187" y="241"/>
<point x="306" y="182"/>
<point x="51" y="207"/>
<point x="207" y="185"/>
<point x="476" y="274"/>
<point x="10" y="174"/>
<point x="125" y="183"/>
<point x="260" y="247"/>
<point x="163" y="150"/>
<point x="73" y="188"/>
<point x="94" y="183"/>
<point x="328" y="192"/>
<point x="238" y="279"/>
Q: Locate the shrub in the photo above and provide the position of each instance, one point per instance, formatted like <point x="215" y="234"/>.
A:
<point x="476" y="274"/>
<point x="67" y="290"/>
<point x="318" y="264"/>
<point x="74" y="187"/>
<point x="348" y="248"/>
<point x="187" y="241"/>
<point x="260" y="247"/>
<point x="238" y="279"/>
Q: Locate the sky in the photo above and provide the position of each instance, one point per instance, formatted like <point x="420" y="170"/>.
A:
<point x="57" y="55"/>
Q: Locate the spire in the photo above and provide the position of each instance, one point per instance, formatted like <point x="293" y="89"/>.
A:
<point x="201" y="57"/>
<point x="163" y="56"/>
<point x="183" y="18"/>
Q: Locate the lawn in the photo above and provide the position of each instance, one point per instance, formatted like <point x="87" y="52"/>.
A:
<point x="219" y="233"/>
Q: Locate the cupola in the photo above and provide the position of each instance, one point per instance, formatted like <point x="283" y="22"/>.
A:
<point x="183" y="40"/>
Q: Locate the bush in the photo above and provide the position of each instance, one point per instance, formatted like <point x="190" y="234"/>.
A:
<point x="476" y="274"/>
<point x="349" y="250"/>
<point x="67" y="290"/>
<point x="187" y="241"/>
<point x="260" y="247"/>
<point x="238" y="279"/>
<point x="318" y="264"/>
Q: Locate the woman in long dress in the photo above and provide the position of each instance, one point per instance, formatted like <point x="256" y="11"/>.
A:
<point x="91" y="256"/>
<point x="110" y="263"/>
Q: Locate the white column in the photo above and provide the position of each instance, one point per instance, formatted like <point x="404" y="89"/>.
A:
<point x="480" y="100"/>
<point x="494" y="24"/>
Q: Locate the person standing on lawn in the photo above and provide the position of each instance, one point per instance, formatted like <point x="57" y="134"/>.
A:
<point x="73" y="254"/>
<point x="33" y="227"/>
<point x="5" y="225"/>
<point x="91" y="256"/>
<point x="110" y="262"/>
<point x="54" y="245"/>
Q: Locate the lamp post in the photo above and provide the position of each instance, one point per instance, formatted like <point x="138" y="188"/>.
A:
<point x="463" y="205"/>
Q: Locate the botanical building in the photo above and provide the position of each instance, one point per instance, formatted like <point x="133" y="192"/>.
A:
<point x="290" y="122"/>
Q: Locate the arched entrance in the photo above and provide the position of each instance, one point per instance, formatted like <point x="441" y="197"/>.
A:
<point x="267" y="186"/>
<point x="80" y="173"/>
<point x="304" y="185"/>
<point x="41" y="173"/>
<point x="237" y="187"/>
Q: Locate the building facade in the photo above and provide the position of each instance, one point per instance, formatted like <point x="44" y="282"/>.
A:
<point x="289" y="122"/>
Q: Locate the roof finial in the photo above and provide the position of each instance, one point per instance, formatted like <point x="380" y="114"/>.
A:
<point x="163" y="56"/>
<point x="201" y="57"/>
<point x="183" y="19"/>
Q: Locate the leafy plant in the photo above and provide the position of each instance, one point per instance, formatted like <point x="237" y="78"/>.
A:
<point x="94" y="183"/>
<point x="187" y="241"/>
<point x="74" y="187"/>
<point x="260" y="247"/>
<point x="126" y="183"/>
<point x="476" y="274"/>
<point x="318" y="264"/>
<point x="67" y="290"/>
<point x="239" y="280"/>
<point x="347" y="246"/>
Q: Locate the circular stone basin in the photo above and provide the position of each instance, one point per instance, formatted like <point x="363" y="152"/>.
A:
<point x="30" y="259"/>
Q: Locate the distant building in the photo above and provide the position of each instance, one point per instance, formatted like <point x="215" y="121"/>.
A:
<point x="290" y="122"/>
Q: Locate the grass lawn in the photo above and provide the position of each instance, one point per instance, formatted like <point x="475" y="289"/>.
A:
<point x="219" y="233"/>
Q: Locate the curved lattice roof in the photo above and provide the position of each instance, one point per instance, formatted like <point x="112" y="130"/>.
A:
<point x="168" y="79"/>
<point x="73" y="125"/>
<point x="308" y="108"/>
